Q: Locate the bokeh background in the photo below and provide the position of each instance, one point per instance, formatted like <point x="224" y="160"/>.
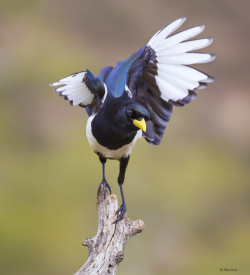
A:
<point x="192" y="191"/>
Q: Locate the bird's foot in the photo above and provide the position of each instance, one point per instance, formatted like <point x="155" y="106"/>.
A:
<point x="106" y="186"/>
<point x="121" y="211"/>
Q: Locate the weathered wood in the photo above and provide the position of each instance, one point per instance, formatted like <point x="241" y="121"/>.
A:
<point x="106" y="249"/>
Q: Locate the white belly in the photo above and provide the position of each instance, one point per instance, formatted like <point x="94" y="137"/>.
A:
<point x="124" y="151"/>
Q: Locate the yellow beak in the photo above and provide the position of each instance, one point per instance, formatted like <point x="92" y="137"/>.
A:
<point x="141" y="124"/>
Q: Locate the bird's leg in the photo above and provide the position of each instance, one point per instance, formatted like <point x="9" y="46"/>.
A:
<point x="104" y="183"/>
<point x="121" y="211"/>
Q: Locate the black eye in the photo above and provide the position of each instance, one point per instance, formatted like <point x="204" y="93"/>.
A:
<point x="129" y="112"/>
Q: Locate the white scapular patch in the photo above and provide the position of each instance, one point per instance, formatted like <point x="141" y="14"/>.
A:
<point x="74" y="89"/>
<point x="173" y="78"/>
<point x="128" y="91"/>
<point x="106" y="92"/>
<point x="124" y="151"/>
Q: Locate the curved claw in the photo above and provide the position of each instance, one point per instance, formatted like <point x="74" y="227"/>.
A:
<point x="121" y="211"/>
<point x="106" y="186"/>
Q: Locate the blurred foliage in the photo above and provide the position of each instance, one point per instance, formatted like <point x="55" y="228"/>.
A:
<point x="192" y="191"/>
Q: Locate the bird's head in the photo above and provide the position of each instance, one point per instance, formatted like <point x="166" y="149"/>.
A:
<point x="137" y="116"/>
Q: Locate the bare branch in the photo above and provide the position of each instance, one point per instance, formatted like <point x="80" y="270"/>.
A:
<point x="106" y="249"/>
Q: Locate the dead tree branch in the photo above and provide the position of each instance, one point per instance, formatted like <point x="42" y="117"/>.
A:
<point x="106" y="249"/>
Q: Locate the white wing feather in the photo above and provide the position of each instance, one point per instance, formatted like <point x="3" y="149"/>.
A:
<point x="173" y="78"/>
<point x="74" y="89"/>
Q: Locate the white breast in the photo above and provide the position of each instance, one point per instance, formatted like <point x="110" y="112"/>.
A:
<point x="124" y="151"/>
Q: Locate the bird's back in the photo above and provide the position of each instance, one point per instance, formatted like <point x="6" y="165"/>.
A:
<point x="115" y="78"/>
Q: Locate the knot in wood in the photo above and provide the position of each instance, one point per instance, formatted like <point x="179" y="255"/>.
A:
<point x="88" y="242"/>
<point x="119" y="257"/>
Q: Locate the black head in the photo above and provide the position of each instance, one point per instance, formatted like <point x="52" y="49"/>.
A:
<point x="137" y="116"/>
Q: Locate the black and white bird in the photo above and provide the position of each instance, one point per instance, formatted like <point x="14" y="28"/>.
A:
<point x="135" y="98"/>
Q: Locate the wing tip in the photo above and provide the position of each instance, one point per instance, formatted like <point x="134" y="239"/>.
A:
<point x="182" y="20"/>
<point x="179" y="23"/>
<point x="202" y="27"/>
<point x="210" y="41"/>
<point x="212" y="57"/>
<point x="210" y="79"/>
<point x="54" y="84"/>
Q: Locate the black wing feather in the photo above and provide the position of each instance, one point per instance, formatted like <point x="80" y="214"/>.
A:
<point x="159" y="80"/>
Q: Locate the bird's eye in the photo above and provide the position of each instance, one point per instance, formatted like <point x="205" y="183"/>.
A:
<point x="129" y="112"/>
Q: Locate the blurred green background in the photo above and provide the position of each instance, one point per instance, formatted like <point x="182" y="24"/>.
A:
<point x="192" y="191"/>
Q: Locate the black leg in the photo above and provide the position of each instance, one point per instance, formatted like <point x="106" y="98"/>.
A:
<point x="104" y="183"/>
<point x="122" y="209"/>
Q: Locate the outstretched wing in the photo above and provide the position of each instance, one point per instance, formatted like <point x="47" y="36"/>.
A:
<point x="82" y="89"/>
<point x="161" y="76"/>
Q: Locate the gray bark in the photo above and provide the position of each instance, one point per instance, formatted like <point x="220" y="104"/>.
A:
<point x="106" y="249"/>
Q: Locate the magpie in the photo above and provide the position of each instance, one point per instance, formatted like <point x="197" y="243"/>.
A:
<point x="135" y="98"/>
